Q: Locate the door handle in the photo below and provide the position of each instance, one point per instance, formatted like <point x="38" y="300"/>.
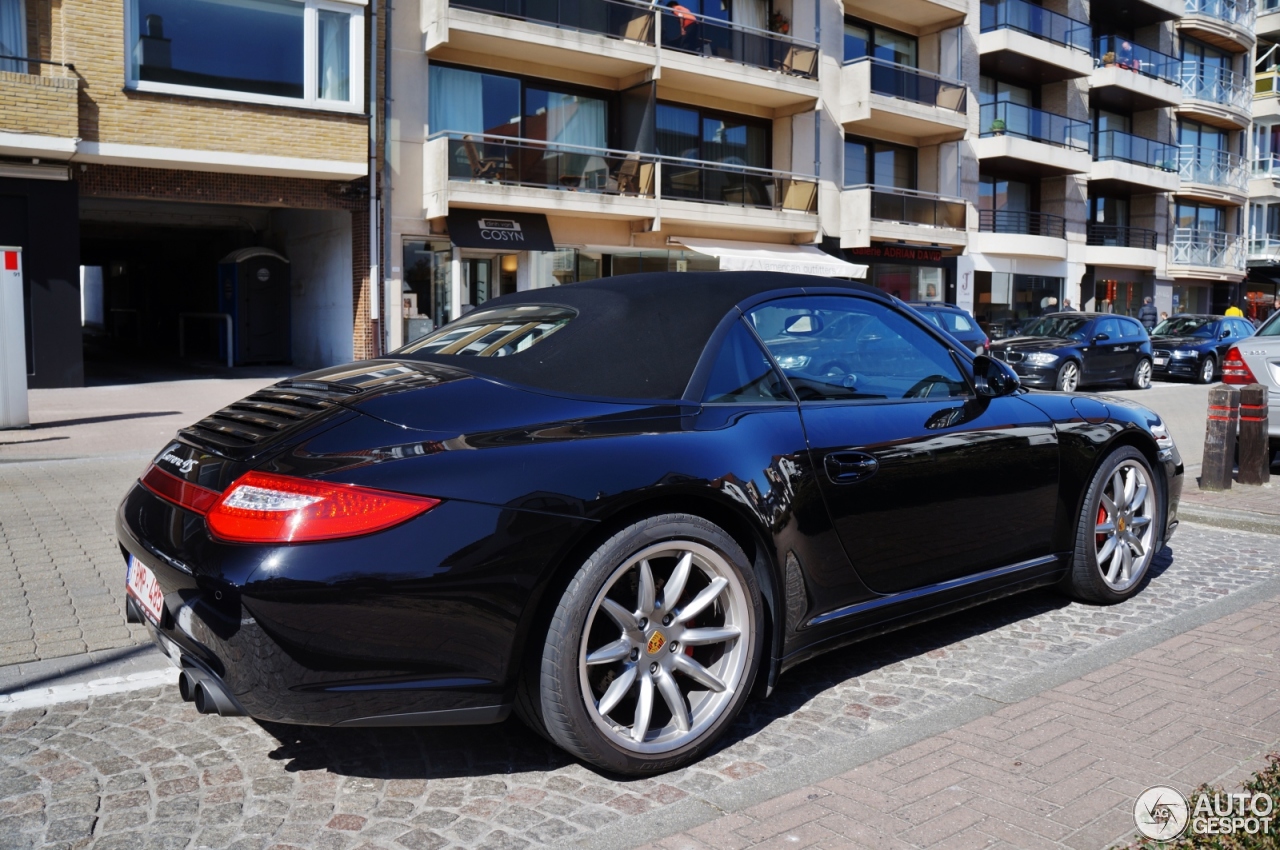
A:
<point x="848" y="467"/>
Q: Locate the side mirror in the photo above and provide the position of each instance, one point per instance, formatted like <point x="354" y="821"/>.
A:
<point x="1101" y="337"/>
<point x="1224" y="334"/>
<point x="803" y="324"/>
<point x="992" y="378"/>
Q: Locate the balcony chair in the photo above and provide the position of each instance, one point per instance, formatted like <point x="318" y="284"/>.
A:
<point x="635" y="177"/>
<point x="484" y="168"/>
<point x="799" y="60"/>
<point x="799" y="196"/>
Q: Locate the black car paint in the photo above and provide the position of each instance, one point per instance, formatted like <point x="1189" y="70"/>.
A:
<point x="1214" y="344"/>
<point x="1100" y="361"/>
<point x="429" y="622"/>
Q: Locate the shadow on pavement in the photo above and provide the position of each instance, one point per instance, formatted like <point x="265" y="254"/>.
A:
<point x="90" y="420"/>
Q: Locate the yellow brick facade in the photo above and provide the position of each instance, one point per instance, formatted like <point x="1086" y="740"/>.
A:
<point x="43" y="106"/>
<point x="89" y="34"/>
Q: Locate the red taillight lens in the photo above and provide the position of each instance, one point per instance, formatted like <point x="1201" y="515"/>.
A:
<point x="264" y="508"/>
<point x="171" y="488"/>
<point x="1235" y="370"/>
<point x="986" y="345"/>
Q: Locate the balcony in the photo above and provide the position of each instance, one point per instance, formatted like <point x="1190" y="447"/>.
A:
<point x="715" y="58"/>
<point x="41" y="114"/>
<point x="1266" y="95"/>
<point x="1031" y="44"/>
<point x="1133" y="164"/>
<point x="1121" y="247"/>
<point x="1268" y="25"/>
<point x="1014" y="233"/>
<point x="1206" y="254"/>
<point x="1226" y="24"/>
<point x="1212" y="175"/>
<point x="610" y="38"/>
<point x="1215" y="96"/>
<point x="926" y="15"/>
<point x="884" y="96"/>
<point x="1264" y="179"/>
<point x="1264" y="250"/>
<point x="1019" y="141"/>
<point x="883" y="213"/>
<point x="498" y="172"/>
<point x="1132" y="78"/>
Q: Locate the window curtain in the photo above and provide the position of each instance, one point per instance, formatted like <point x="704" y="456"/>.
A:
<point x="755" y="46"/>
<point x="334" y="37"/>
<point x="677" y="133"/>
<point x="573" y="120"/>
<point x="455" y="101"/>
<point x="13" y="35"/>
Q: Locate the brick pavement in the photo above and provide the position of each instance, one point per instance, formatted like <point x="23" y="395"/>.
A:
<point x="1057" y="770"/>
<point x="143" y="769"/>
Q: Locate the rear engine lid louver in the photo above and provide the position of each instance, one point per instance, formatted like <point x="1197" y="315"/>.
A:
<point x="242" y="428"/>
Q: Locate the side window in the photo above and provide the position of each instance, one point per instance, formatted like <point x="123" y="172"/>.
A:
<point x="1110" y="327"/>
<point x="743" y="373"/>
<point x="958" y="323"/>
<point x="835" y="348"/>
<point x="1243" y="329"/>
<point x="1131" y="329"/>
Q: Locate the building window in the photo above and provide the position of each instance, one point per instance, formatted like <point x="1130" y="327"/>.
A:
<point x="287" y="52"/>
<point x="1201" y="217"/>
<point x="466" y="101"/>
<point x="1193" y="134"/>
<point x="692" y="133"/>
<point x="426" y="301"/>
<point x="13" y="34"/>
<point x="865" y="39"/>
<point x="879" y="164"/>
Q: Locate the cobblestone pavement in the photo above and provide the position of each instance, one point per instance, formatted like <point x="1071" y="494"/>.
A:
<point x="144" y="770"/>
<point x="61" y="574"/>
<point x="1060" y="769"/>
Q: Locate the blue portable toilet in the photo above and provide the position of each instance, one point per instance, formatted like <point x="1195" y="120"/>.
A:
<point x="253" y="287"/>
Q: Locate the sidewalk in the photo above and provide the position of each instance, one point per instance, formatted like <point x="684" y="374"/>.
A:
<point x="1242" y="508"/>
<point x="1060" y="769"/>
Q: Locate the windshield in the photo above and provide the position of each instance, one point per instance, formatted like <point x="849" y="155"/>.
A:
<point x="1057" y="326"/>
<point x="1186" y="326"/>
<point x="1272" y="327"/>
<point x="494" y="333"/>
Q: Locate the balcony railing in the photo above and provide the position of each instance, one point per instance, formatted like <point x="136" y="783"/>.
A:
<point x="1267" y="166"/>
<point x="894" y="80"/>
<point x="1115" y="145"/>
<point x="1241" y="13"/>
<point x="1123" y="53"/>
<point x="1210" y="248"/>
<point x="624" y="19"/>
<point x="1027" y="123"/>
<point x="475" y="157"/>
<point x="1118" y="236"/>
<point x="1264" y="83"/>
<point x="1026" y="223"/>
<point x="1213" y="168"/>
<point x="1037" y="21"/>
<point x="908" y="206"/>
<point x="1264" y="249"/>
<point x="706" y="36"/>
<point x="1216" y="85"/>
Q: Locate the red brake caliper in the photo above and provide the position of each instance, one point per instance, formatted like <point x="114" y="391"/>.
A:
<point x="1102" y="517"/>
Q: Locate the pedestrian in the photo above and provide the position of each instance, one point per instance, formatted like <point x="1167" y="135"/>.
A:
<point x="1066" y="306"/>
<point x="1234" y="310"/>
<point x="1147" y="314"/>
<point x="1126" y="59"/>
<point x="1164" y="314"/>
<point x="688" y="26"/>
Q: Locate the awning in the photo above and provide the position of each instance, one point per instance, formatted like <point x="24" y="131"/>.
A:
<point x="502" y="230"/>
<point x="759" y="257"/>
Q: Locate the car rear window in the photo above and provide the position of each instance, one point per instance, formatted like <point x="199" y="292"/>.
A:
<point x="495" y="333"/>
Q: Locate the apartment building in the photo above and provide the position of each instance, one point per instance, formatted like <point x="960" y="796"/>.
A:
<point x="1003" y="155"/>
<point x="1261" y="291"/>
<point x="174" y="170"/>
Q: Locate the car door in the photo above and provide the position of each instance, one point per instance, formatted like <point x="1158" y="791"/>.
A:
<point x="924" y="482"/>
<point x="1101" y="354"/>
<point x="1133" y="337"/>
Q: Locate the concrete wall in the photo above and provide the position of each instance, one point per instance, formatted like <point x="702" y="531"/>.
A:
<point x="318" y="244"/>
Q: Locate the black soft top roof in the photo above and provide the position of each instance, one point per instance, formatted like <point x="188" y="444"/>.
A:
<point x="635" y="336"/>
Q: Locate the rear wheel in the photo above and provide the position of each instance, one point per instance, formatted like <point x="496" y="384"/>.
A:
<point x="1141" y="378"/>
<point x="1069" y="377"/>
<point x="1207" y="370"/>
<point x="1118" y="530"/>
<point x="653" y="648"/>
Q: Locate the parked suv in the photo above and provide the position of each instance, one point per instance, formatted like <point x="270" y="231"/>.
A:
<point x="1068" y="350"/>
<point x="958" y="322"/>
<point x="1193" y="346"/>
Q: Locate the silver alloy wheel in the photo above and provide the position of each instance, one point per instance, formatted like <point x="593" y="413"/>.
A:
<point x="1206" y="371"/>
<point x="643" y="630"/>
<point x="1069" y="377"/>
<point x="1124" y="535"/>
<point x="1143" y="378"/>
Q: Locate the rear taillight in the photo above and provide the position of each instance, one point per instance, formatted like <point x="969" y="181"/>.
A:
<point x="1235" y="370"/>
<point x="264" y="508"/>
<point x="182" y="493"/>
<point x="986" y="346"/>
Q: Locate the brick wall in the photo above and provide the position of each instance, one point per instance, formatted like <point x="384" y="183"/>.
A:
<point x="157" y="184"/>
<point x="90" y="35"/>
<point x="44" y="106"/>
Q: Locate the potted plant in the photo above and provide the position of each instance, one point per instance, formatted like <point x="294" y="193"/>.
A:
<point x="779" y="23"/>
<point x="997" y="127"/>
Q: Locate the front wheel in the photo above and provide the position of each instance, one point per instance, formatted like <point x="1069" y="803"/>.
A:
<point x="1068" y="377"/>
<point x="1141" y="378"/>
<point x="1118" y="530"/>
<point x="1207" y="369"/>
<point x="653" y="648"/>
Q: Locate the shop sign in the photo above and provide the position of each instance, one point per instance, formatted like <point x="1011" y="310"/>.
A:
<point x="501" y="230"/>
<point x="897" y="252"/>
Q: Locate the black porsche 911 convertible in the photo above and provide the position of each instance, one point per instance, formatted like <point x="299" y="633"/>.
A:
<point x="622" y="507"/>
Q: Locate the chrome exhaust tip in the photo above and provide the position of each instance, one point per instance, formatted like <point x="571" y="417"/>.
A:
<point x="187" y="685"/>
<point x="207" y="692"/>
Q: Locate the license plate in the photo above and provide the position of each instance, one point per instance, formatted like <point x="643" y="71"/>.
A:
<point x="142" y="586"/>
<point x="1162" y="361"/>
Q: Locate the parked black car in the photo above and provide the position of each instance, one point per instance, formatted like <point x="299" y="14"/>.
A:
<point x="1065" y="351"/>
<point x="958" y="322"/>
<point x="1194" y="346"/>
<point x="620" y="509"/>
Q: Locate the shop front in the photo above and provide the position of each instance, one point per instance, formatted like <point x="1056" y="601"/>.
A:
<point x="1189" y="297"/>
<point x="908" y="272"/>
<point x="1004" y="302"/>
<point x="1260" y="299"/>
<point x="1116" y="290"/>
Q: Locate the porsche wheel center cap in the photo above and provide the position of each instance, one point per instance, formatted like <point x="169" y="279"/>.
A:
<point x="656" y="642"/>
<point x="1120" y="523"/>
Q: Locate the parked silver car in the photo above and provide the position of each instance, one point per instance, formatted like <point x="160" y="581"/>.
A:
<point x="1256" y="360"/>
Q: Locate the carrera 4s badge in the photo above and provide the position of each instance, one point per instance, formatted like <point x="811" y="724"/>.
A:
<point x="184" y="466"/>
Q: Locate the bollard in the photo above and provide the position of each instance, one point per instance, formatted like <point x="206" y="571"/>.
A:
<point x="1220" y="438"/>
<point x="1255" y="449"/>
